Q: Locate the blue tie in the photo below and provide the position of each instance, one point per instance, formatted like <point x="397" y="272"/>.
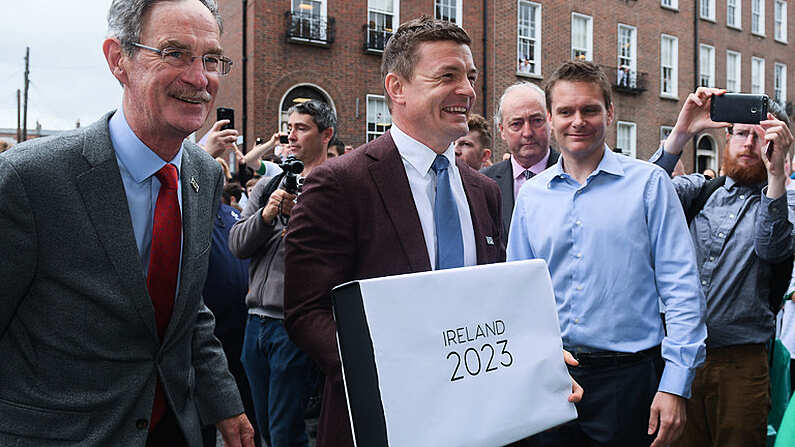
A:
<point x="449" y="242"/>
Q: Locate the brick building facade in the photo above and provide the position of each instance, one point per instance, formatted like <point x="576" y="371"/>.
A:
<point x="655" y="52"/>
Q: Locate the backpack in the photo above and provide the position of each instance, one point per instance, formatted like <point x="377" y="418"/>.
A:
<point x="780" y="273"/>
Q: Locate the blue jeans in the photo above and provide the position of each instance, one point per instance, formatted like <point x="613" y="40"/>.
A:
<point x="280" y="376"/>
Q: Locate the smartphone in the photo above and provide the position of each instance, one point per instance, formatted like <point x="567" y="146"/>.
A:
<point x="741" y="108"/>
<point x="225" y="113"/>
<point x="283" y="139"/>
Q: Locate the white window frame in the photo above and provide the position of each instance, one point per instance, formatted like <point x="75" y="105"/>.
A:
<point x="780" y="82"/>
<point x="296" y="7"/>
<point x="674" y="90"/>
<point x="780" y="21"/>
<point x="710" y="12"/>
<point x="737" y="69"/>
<point x="706" y="62"/>
<point x="712" y="154"/>
<point x="670" y="4"/>
<point x="367" y="131"/>
<point x="532" y="6"/>
<point x="633" y="55"/>
<point x="757" y="75"/>
<point x="665" y="131"/>
<point x="459" y="11"/>
<point x="760" y="24"/>
<point x="395" y="14"/>
<point x="633" y="137"/>
<point x="734" y="21"/>
<point x="588" y="35"/>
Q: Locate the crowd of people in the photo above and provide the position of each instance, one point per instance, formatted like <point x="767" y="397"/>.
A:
<point x="154" y="297"/>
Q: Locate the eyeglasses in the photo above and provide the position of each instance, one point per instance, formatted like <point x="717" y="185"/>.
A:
<point x="743" y="135"/>
<point x="180" y="58"/>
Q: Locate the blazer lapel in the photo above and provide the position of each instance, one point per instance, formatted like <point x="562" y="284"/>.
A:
<point x="389" y="176"/>
<point x="106" y="204"/>
<point x="477" y="209"/>
<point x="505" y="182"/>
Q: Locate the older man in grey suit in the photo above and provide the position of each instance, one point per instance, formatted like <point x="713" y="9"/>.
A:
<point x="104" y="338"/>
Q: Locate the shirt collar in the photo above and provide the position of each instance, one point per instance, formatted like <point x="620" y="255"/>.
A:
<point x="610" y="164"/>
<point x="535" y="169"/>
<point x="139" y="160"/>
<point x="418" y="155"/>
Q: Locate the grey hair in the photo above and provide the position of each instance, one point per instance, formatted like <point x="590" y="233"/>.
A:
<point x="520" y="84"/>
<point x="320" y="112"/>
<point x="126" y="19"/>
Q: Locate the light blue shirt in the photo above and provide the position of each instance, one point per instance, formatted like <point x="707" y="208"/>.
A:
<point x="138" y="165"/>
<point x="613" y="245"/>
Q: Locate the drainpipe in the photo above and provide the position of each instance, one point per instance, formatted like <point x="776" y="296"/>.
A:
<point x="696" y="70"/>
<point x="485" y="58"/>
<point x="244" y="74"/>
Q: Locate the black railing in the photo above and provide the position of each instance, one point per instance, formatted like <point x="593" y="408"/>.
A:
<point x="375" y="38"/>
<point x="309" y="28"/>
<point x="625" y="80"/>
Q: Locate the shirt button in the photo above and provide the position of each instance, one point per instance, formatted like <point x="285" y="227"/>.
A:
<point x="720" y="235"/>
<point x="141" y="424"/>
<point x="742" y="197"/>
<point x="731" y="216"/>
<point x="579" y="222"/>
<point x="703" y="282"/>
<point x="712" y="258"/>
<point x="576" y="320"/>
<point x="579" y="255"/>
<point x="578" y="287"/>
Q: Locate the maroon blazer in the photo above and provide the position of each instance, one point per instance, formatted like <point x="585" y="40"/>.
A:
<point x="356" y="219"/>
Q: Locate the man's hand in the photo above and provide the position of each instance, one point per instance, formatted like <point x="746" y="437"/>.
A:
<point x="280" y="200"/>
<point x="219" y="142"/>
<point x="693" y="119"/>
<point x="237" y="431"/>
<point x="576" y="389"/>
<point x="667" y="418"/>
<point x="777" y="133"/>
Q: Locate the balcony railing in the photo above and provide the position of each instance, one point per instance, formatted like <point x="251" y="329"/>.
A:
<point x="625" y="80"/>
<point x="309" y="28"/>
<point x="375" y="38"/>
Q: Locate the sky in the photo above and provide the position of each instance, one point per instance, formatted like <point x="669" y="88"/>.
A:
<point x="69" y="78"/>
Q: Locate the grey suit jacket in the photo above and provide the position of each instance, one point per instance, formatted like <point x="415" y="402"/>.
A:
<point x="79" y="348"/>
<point x="502" y="173"/>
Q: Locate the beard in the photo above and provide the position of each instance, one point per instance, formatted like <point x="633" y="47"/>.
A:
<point x="743" y="175"/>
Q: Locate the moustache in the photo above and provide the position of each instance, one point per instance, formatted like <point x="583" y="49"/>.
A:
<point x="192" y="95"/>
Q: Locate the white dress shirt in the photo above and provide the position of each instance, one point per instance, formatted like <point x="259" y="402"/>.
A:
<point x="417" y="160"/>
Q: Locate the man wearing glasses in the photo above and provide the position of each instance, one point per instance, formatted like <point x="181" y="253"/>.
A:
<point x="106" y="234"/>
<point x="741" y="235"/>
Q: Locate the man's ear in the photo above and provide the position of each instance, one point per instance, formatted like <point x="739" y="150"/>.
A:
<point x="116" y="58"/>
<point x="325" y="137"/>
<point x="610" y="115"/>
<point x="394" y="86"/>
<point x="486" y="155"/>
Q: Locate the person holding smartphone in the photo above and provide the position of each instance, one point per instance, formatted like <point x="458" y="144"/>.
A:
<point x="742" y="230"/>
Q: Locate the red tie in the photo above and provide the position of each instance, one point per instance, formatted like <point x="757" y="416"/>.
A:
<point x="164" y="264"/>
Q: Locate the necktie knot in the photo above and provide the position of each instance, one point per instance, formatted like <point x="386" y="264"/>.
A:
<point x="167" y="175"/>
<point x="527" y="174"/>
<point x="440" y="164"/>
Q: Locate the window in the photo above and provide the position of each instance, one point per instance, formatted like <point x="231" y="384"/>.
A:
<point x="528" y="59"/>
<point x="780" y="83"/>
<point x="309" y="20"/>
<point x="670" y="4"/>
<point x="757" y="75"/>
<point x="581" y="37"/>
<point x="625" y="139"/>
<point x="733" y="64"/>
<point x="707" y="63"/>
<point x="733" y="13"/>
<point x="705" y="154"/>
<point x="381" y="17"/>
<point x="758" y="17"/>
<point x="298" y="94"/>
<point x="449" y="10"/>
<point x="378" y="118"/>
<point x="780" y="24"/>
<point x="665" y="131"/>
<point x="707" y="9"/>
<point x="669" y="65"/>
<point x="627" y="56"/>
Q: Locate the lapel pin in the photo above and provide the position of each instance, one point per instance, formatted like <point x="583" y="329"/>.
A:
<point x="489" y="240"/>
<point x="194" y="184"/>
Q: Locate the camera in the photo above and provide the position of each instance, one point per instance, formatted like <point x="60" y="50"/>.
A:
<point x="291" y="167"/>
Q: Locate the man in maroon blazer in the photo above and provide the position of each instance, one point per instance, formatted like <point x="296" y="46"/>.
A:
<point x="371" y="213"/>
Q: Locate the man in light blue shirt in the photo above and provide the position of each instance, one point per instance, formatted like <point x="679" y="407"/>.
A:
<point x="613" y="232"/>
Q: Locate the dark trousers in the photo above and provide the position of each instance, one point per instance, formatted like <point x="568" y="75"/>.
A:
<point x="614" y="410"/>
<point x="281" y="378"/>
<point x="167" y="433"/>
